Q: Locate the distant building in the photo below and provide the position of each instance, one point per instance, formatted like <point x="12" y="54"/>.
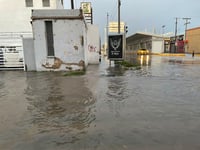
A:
<point x="177" y="46"/>
<point x="192" y="40"/>
<point x="154" y="43"/>
<point x="15" y="24"/>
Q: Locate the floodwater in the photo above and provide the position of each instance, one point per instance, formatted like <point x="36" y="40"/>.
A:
<point x="152" y="107"/>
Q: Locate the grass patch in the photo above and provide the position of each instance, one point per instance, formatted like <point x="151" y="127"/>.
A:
<point x="75" y="73"/>
<point x="127" y="64"/>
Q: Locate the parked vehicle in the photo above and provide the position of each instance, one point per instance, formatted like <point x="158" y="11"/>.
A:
<point x="142" y="52"/>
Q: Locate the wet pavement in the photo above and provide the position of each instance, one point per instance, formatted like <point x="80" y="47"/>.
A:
<point x="152" y="107"/>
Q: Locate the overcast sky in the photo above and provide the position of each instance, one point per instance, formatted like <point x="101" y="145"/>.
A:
<point x="145" y="15"/>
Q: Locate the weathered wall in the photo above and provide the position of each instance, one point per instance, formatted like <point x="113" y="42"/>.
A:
<point x="93" y="46"/>
<point x="29" y="55"/>
<point x="69" y="45"/>
<point x="193" y="37"/>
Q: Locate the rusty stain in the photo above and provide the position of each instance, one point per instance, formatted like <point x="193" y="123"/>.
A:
<point x="58" y="62"/>
<point x="76" y="47"/>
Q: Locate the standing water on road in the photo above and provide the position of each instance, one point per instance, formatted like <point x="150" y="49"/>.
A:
<point x="152" y="107"/>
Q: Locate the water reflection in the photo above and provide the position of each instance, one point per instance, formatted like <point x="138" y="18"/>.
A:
<point x="2" y="88"/>
<point x="116" y="94"/>
<point x="60" y="113"/>
<point x="142" y="60"/>
<point x="115" y="70"/>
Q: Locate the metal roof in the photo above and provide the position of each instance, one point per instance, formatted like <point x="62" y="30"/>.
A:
<point x="140" y="35"/>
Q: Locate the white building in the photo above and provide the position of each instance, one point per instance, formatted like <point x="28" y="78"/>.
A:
<point x="15" y="15"/>
<point x="15" y="24"/>
<point x="93" y="44"/>
<point x="140" y="40"/>
<point x="62" y="41"/>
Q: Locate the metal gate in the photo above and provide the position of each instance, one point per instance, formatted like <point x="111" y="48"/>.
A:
<point x="11" y="52"/>
<point x="11" y="58"/>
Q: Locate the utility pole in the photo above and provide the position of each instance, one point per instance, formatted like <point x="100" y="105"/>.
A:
<point x="119" y="5"/>
<point x="107" y="30"/>
<point x="186" y="23"/>
<point x="176" y="26"/>
<point x="72" y="4"/>
<point x="107" y="25"/>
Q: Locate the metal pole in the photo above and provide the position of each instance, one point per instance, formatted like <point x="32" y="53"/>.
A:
<point x="119" y="4"/>
<point x="176" y="34"/>
<point x="186" y="23"/>
<point x="72" y="4"/>
<point x="107" y="30"/>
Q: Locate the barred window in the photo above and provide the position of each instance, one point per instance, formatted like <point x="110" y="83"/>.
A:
<point x="49" y="38"/>
<point x="29" y="3"/>
<point x="46" y="3"/>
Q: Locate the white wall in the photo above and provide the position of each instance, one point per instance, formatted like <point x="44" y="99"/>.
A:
<point x="69" y="44"/>
<point x="29" y="55"/>
<point x="16" y="17"/>
<point x="39" y="43"/>
<point x="93" y="47"/>
<point x="157" y="47"/>
<point x="69" y="40"/>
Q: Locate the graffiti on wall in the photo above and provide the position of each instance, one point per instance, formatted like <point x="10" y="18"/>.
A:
<point x="92" y="48"/>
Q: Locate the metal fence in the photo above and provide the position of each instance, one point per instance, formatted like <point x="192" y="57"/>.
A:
<point x="11" y="58"/>
<point x="11" y="50"/>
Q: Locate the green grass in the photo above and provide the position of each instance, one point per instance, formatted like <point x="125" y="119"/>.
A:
<point x="127" y="64"/>
<point x="75" y="73"/>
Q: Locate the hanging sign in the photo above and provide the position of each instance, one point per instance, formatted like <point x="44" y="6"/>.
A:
<point x="86" y="7"/>
<point x="115" y="47"/>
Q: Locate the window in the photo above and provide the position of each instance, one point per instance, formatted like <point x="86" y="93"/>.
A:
<point x="49" y="38"/>
<point x="29" y="3"/>
<point x="46" y="3"/>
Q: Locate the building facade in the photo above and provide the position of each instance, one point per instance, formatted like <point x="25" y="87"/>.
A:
<point x="154" y="43"/>
<point x="177" y="44"/>
<point x="15" y="24"/>
<point x="193" y="40"/>
<point x="15" y="15"/>
<point x="62" y="41"/>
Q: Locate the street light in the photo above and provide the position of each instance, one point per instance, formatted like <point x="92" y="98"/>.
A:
<point x="163" y="29"/>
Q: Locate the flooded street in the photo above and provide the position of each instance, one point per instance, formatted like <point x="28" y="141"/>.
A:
<point x="152" y="107"/>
